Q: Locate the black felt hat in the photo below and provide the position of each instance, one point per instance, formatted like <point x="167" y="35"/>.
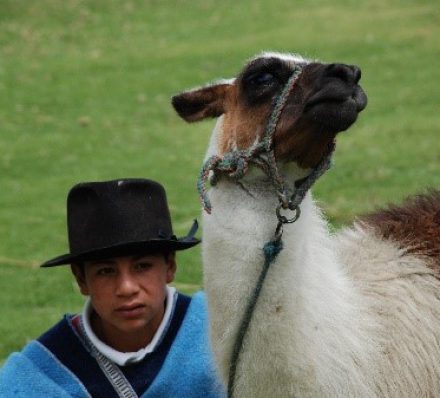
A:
<point x="119" y="217"/>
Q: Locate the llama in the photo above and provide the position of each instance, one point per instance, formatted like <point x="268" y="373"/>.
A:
<point x="349" y="314"/>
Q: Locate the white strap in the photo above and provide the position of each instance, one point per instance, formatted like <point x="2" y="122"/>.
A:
<point x="114" y="375"/>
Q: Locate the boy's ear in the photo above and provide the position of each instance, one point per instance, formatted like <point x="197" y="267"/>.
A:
<point x="79" y="274"/>
<point x="198" y="104"/>
<point x="172" y="267"/>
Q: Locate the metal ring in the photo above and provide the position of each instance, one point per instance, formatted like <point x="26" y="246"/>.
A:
<point x="283" y="219"/>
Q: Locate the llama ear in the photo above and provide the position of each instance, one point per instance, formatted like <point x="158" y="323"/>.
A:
<point x="200" y="103"/>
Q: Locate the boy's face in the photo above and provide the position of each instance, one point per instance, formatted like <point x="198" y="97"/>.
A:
<point x="128" y="295"/>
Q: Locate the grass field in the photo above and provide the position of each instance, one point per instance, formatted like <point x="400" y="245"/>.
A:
<point x="85" y="88"/>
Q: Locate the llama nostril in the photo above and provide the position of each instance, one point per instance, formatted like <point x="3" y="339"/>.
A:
<point x="356" y="73"/>
<point x="347" y="73"/>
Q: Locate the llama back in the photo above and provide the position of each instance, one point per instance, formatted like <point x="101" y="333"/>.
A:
<point x="402" y="288"/>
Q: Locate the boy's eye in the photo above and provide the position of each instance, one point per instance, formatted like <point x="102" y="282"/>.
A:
<point x="105" y="271"/>
<point x="143" y="266"/>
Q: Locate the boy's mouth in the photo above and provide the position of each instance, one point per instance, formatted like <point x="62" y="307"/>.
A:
<point x="131" y="310"/>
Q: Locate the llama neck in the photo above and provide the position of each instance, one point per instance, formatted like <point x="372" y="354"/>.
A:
<point x="306" y="300"/>
<point x="244" y="220"/>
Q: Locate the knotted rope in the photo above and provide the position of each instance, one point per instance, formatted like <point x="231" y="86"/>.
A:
<point x="235" y="164"/>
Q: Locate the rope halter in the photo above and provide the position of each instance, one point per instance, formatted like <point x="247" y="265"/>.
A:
<point x="235" y="163"/>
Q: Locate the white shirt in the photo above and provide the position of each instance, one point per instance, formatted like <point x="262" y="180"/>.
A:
<point x="126" y="358"/>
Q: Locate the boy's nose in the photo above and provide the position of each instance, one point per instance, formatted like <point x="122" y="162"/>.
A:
<point x="127" y="285"/>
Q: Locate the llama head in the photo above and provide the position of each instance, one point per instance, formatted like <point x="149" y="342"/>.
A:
<point x="325" y="100"/>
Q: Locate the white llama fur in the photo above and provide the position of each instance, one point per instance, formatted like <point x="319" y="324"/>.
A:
<point x="347" y="315"/>
<point x="340" y="315"/>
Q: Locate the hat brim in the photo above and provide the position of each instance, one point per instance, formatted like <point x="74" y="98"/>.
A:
<point x="125" y="249"/>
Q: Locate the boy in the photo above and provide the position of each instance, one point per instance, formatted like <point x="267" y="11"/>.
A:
<point x="136" y="337"/>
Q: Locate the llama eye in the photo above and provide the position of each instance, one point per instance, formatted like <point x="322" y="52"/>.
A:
<point x="262" y="79"/>
<point x="260" y="85"/>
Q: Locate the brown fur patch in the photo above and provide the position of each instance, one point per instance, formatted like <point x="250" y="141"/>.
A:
<point x="305" y="145"/>
<point x="201" y="103"/>
<point x="415" y="226"/>
<point x="241" y="124"/>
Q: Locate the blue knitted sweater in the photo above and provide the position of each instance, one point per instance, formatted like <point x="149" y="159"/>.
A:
<point x="58" y="365"/>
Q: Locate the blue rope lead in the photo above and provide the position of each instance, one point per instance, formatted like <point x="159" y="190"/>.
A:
<point x="271" y="250"/>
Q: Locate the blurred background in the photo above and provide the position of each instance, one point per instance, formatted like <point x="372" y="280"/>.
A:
<point x="85" y="91"/>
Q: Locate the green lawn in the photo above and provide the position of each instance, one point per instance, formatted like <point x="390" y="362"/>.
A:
<point x="85" y="88"/>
